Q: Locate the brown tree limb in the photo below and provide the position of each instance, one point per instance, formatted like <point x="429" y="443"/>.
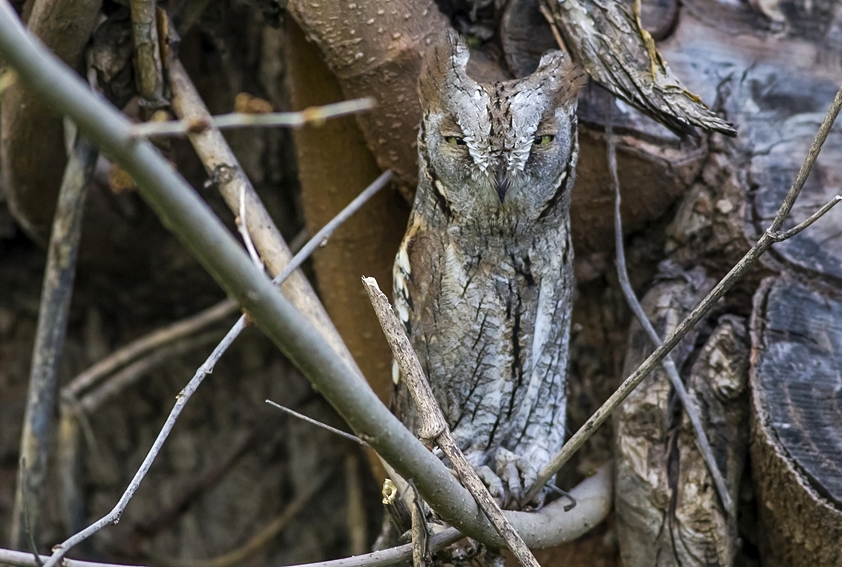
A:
<point x="56" y="293"/>
<point x="433" y="427"/>
<point x="772" y="235"/>
<point x="31" y="149"/>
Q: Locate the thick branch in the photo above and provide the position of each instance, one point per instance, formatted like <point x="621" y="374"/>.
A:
<point x="181" y="209"/>
<point x="31" y="143"/>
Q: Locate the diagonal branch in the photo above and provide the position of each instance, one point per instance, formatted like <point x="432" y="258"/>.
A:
<point x="702" y="442"/>
<point x="181" y="209"/>
<point x="434" y="427"/>
<point x="773" y="234"/>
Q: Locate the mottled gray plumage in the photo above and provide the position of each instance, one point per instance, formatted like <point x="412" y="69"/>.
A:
<point x="484" y="276"/>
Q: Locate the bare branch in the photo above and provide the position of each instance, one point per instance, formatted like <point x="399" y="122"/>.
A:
<point x="317" y="423"/>
<point x="314" y="115"/>
<point x="702" y="442"/>
<point x="760" y="247"/>
<point x="49" y="341"/>
<point x="434" y="427"/>
<point x="183" y="211"/>
<point x="594" y="502"/>
<point x="225" y="171"/>
<point x="787" y="234"/>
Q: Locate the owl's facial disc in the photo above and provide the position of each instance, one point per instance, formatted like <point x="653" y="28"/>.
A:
<point x="497" y="150"/>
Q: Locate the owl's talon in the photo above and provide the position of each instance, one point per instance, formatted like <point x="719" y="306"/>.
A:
<point x="493" y="483"/>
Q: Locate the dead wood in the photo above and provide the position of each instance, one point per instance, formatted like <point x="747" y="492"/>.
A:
<point x="796" y="446"/>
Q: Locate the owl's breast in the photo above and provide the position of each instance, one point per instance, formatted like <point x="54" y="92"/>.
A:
<point x="472" y="314"/>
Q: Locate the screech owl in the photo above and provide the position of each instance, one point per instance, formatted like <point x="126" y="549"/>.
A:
<point x="483" y="280"/>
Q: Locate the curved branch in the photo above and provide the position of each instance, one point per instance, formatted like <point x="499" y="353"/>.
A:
<point x="31" y="140"/>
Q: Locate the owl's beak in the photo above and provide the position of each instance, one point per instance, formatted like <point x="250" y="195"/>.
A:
<point x="502" y="182"/>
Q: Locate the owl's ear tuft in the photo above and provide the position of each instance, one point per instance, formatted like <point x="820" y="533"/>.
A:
<point x="443" y="68"/>
<point x="566" y="77"/>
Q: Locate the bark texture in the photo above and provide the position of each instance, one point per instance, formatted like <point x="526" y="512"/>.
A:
<point x="31" y="140"/>
<point x="334" y="166"/>
<point x="796" y="421"/>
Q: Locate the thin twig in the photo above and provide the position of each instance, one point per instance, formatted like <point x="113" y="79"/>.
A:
<point x="266" y="535"/>
<point x="317" y="423"/>
<point x="702" y="442"/>
<point x="766" y="240"/>
<point x="433" y="425"/>
<point x="313" y="115"/>
<point x="242" y="227"/>
<point x="49" y="341"/>
<point x="787" y="234"/>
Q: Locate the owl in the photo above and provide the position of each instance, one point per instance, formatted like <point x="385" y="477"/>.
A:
<point x="483" y="280"/>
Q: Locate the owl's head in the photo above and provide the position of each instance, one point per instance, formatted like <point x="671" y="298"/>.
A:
<point x="494" y="150"/>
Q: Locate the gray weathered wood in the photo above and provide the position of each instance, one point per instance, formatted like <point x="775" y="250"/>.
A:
<point x="797" y="421"/>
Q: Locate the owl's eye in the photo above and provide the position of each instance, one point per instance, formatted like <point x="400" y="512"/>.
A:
<point x="454" y="141"/>
<point x="544" y="140"/>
